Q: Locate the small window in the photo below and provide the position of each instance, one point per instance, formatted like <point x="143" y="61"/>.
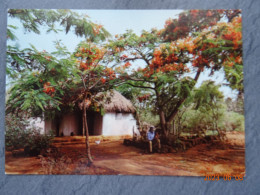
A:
<point x="119" y="116"/>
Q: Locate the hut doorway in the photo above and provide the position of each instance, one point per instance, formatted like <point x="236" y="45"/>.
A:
<point x="91" y="121"/>
<point x="94" y="120"/>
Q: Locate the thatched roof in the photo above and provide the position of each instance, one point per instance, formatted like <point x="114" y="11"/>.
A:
<point x="118" y="103"/>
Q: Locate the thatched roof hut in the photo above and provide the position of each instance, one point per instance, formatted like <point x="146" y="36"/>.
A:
<point x="118" y="118"/>
<point x="118" y="103"/>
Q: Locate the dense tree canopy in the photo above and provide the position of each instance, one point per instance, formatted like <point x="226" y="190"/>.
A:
<point x="31" y="20"/>
<point x="196" y="41"/>
<point x="41" y="78"/>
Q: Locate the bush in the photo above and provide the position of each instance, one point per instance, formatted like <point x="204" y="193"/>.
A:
<point x="56" y="166"/>
<point x="19" y="134"/>
<point x="37" y="142"/>
<point x="53" y="162"/>
<point x="16" y="132"/>
<point x="149" y="118"/>
<point x="234" y="122"/>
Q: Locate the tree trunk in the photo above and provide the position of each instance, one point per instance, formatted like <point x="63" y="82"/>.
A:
<point x="138" y="121"/>
<point x="171" y="117"/>
<point x="83" y="124"/>
<point x="173" y="127"/>
<point x="90" y="160"/>
<point x="163" y="122"/>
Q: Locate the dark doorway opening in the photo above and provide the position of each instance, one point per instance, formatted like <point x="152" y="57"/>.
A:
<point x="94" y="120"/>
<point x="91" y="122"/>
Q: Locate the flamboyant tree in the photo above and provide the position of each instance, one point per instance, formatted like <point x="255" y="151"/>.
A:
<point x="213" y="40"/>
<point x="216" y="43"/>
<point x="19" y="60"/>
<point x="217" y="36"/>
<point x="94" y="77"/>
<point x="39" y="90"/>
<point x="41" y="79"/>
<point x="196" y="41"/>
<point x="161" y="72"/>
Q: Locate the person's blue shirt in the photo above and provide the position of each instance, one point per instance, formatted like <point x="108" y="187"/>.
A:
<point x="150" y="135"/>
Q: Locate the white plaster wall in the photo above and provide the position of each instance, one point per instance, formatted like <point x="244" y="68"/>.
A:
<point x="38" y="123"/>
<point x="118" y="124"/>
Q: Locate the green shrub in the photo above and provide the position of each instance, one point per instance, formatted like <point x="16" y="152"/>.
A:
<point x="19" y="134"/>
<point x="234" y="122"/>
<point x="37" y="142"/>
<point x="16" y="132"/>
<point x="150" y="118"/>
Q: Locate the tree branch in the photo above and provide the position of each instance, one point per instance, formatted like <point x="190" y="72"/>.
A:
<point x="132" y="59"/>
<point x="145" y="87"/>
<point x="143" y="56"/>
<point x="95" y="83"/>
<point x="179" y="103"/>
<point x="142" y="80"/>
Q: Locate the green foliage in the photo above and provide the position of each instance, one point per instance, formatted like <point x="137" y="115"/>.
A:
<point x="195" y="119"/>
<point x="235" y="77"/>
<point x="236" y="105"/>
<point x="191" y="120"/>
<point x="37" y="142"/>
<point x="233" y="122"/>
<point x="30" y="59"/>
<point x="40" y="86"/>
<point x="203" y="110"/>
<point x="133" y="46"/>
<point x="194" y="21"/>
<point x="10" y="33"/>
<point x="20" y="134"/>
<point x="32" y="19"/>
<point x="207" y="96"/>
<point x="27" y="94"/>
<point x="144" y="108"/>
<point x="18" y="60"/>
<point x="16" y="133"/>
<point x="148" y="117"/>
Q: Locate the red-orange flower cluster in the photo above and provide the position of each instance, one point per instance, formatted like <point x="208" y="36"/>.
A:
<point x="48" y="89"/>
<point x="96" y="29"/>
<point x="200" y="62"/>
<point x="233" y="32"/>
<point x="123" y="57"/>
<point x="110" y="73"/>
<point x="144" y="97"/>
<point x="91" y="55"/>
<point x="48" y="58"/>
<point x="103" y="80"/>
<point x="127" y="65"/>
<point x="164" y="61"/>
<point x="233" y="36"/>
<point x="167" y="22"/>
<point x="194" y="12"/>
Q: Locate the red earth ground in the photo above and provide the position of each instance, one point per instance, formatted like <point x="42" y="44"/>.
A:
<point x="112" y="157"/>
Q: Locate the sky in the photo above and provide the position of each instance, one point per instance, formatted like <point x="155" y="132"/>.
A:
<point x="115" y="22"/>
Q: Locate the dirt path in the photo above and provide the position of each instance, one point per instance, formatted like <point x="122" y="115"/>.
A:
<point x="112" y="157"/>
